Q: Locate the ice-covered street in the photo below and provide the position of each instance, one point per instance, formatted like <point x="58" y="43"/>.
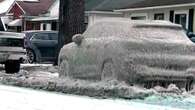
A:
<point x="13" y="98"/>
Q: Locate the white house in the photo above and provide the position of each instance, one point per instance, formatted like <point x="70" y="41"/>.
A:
<point x="99" y="9"/>
<point x="49" y="20"/>
<point x="177" y="11"/>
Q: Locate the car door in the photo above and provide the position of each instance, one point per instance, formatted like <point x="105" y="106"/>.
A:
<point x="45" y="45"/>
<point x="85" y="61"/>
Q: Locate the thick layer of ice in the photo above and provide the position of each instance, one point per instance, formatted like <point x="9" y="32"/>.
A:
<point x="130" y="51"/>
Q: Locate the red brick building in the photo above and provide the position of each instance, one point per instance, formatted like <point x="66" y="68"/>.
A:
<point x="21" y="13"/>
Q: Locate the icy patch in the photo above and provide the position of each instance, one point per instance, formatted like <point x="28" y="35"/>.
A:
<point x="171" y="101"/>
<point x="25" y="99"/>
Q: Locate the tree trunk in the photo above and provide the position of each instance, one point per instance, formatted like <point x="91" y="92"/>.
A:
<point x="71" y="20"/>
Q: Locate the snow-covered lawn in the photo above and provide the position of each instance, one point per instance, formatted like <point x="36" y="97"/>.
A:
<point x="13" y="98"/>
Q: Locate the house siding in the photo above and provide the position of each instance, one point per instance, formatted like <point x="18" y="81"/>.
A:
<point x="94" y="17"/>
<point x="16" y="11"/>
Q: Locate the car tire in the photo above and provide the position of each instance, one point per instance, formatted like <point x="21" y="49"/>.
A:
<point x="31" y="57"/>
<point x="64" y="69"/>
<point x="12" y="67"/>
<point x="108" y="71"/>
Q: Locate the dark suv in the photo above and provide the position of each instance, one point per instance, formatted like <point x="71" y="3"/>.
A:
<point x="41" y="46"/>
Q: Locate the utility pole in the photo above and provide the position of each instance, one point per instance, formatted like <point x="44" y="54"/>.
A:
<point x="71" y="20"/>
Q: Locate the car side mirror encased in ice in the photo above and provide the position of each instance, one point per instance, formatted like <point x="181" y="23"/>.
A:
<point x="77" y="39"/>
<point x="191" y="34"/>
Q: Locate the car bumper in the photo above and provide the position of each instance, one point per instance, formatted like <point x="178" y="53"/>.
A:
<point x="17" y="57"/>
<point x="3" y="57"/>
<point x="150" y="77"/>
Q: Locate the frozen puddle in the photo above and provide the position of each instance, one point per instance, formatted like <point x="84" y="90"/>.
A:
<point x="13" y="98"/>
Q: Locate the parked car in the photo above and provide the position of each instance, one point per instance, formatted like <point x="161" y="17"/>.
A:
<point x="41" y="46"/>
<point x="148" y="53"/>
<point x="12" y="52"/>
<point x="191" y="35"/>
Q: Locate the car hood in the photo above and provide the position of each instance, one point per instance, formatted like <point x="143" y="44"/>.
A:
<point x="12" y="49"/>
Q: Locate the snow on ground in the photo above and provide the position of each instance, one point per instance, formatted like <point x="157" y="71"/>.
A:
<point x="25" y="99"/>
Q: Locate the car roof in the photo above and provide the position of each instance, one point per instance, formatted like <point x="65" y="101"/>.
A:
<point x="138" y="30"/>
<point x="140" y="23"/>
<point x="11" y="35"/>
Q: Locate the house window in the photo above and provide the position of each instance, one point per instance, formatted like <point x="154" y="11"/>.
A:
<point x="138" y="17"/>
<point x="159" y="16"/>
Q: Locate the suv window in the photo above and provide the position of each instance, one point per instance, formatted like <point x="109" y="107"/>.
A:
<point x="41" y="36"/>
<point x="53" y="36"/>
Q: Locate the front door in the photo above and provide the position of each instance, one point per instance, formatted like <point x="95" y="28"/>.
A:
<point x="181" y="19"/>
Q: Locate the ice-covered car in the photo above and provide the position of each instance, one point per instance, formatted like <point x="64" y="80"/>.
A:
<point x="12" y="52"/>
<point x="148" y="53"/>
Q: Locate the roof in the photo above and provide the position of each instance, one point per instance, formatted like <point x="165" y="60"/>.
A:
<point x="152" y="3"/>
<point x="5" y="5"/>
<point x="107" y="5"/>
<point x="2" y="14"/>
<point x="140" y="31"/>
<point x="140" y="23"/>
<point x="35" y="8"/>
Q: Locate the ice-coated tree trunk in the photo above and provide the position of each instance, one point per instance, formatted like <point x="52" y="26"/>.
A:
<point x="71" y="20"/>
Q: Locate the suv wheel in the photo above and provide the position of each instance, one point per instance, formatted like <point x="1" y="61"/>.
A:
<point x="12" y="67"/>
<point x="30" y="56"/>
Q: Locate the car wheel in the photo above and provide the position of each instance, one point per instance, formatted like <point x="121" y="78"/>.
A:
<point x="12" y="67"/>
<point x="64" y="69"/>
<point x="108" y="71"/>
<point x="30" y="56"/>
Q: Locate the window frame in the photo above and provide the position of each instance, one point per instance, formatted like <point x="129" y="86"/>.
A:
<point x="159" y="14"/>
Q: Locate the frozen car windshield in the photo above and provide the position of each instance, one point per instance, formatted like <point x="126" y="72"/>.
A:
<point x="138" y="33"/>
